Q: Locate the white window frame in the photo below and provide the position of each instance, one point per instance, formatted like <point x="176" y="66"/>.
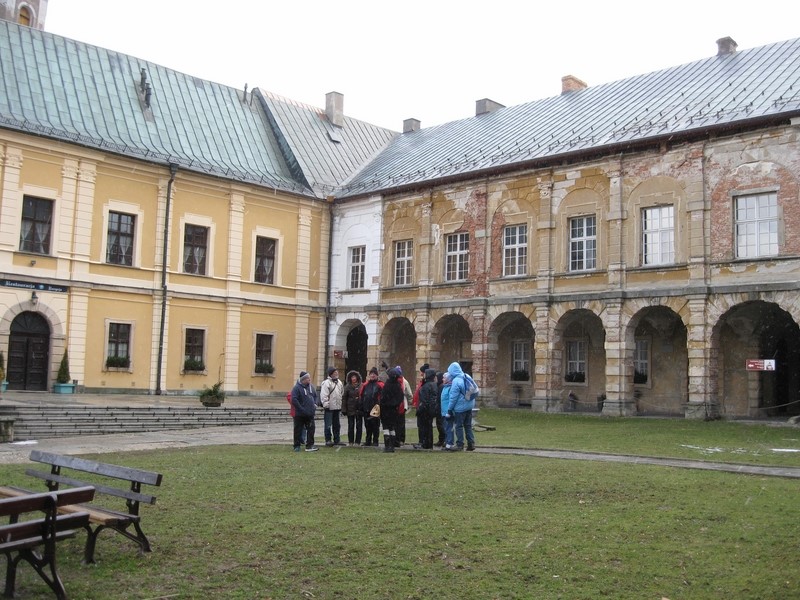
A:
<point x="757" y="225"/>
<point x="641" y="360"/>
<point x="658" y="235"/>
<point x="457" y="256"/>
<point x="515" y="251"/>
<point x="521" y="357"/>
<point x="274" y="234"/>
<point x="403" y="262"/>
<point x="583" y="243"/>
<point x="199" y="221"/>
<point x="129" y="208"/>
<point x="357" y="267"/>
<point x="131" y="344"/>
<point x="576" y="360"/>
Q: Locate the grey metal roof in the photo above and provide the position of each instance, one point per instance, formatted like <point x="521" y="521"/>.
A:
<point x="326" y="154"/>
<point x="722" y="91"/>
<point x="64" y="89"/>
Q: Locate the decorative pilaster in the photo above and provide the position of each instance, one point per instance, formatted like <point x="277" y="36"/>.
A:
<point x="619" y="377"/>
<point x="616" y="240"/>
<point x="702" y="365"/>
<point x="545" y="229"/>
<point x="547" y="372"/>
<point x="233" y="327"/>
<point x="235" y="235"/>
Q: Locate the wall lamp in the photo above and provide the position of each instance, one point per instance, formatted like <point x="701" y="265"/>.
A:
<point x="34" y="298"/>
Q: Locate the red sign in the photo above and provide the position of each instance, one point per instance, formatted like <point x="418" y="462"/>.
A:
<point x="759" y="364"/>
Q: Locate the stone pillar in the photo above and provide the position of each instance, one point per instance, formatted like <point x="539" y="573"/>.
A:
<point x="616" y="240"/>
<point x="701" y="403"/>
<point x="235" y="243"/>
<point x="424" y="250"/>
<point x="547" y="373"/>
<point x="480" y="358"/>
<point x="233" y="328"/>
<point x="545" y="228"/>
<point x="77" y="320"/>
<point x="619" y="389"/>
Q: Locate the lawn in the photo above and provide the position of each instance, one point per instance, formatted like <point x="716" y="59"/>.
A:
<point x="257" y="522"/>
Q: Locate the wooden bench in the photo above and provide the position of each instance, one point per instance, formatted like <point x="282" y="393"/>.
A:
<point x="99" y="517"/>
<point x="20" y="539"/>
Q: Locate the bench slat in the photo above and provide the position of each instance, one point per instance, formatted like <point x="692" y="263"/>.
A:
<point x="91" y="466"/>
<point x="36" y="527"/>
<point x="111" y="491"/>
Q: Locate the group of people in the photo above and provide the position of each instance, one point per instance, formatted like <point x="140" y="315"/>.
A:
<point x="380" y="404"/>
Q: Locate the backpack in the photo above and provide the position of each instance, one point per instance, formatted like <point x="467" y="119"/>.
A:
<point x="471" y="389"/>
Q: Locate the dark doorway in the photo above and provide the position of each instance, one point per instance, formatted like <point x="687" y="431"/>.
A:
<point x="357" y="351"/>
<point x="28" y="352"/>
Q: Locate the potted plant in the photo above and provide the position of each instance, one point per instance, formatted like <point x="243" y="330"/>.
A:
<point x="118" y="362"/>
<point x="213" y="396"/>
<point x="3" y="382"/>
<point x="520" y="375"/>
<point x="265" y="368"/>
<point x="193" y="365"/>
<point x="63" y="384"/>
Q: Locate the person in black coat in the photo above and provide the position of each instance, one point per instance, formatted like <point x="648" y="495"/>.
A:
<point x="392" y="397"/>
<point x="304" y="402"/>
<point x="427" y="409"/>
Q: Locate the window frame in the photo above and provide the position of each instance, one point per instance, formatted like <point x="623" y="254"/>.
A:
<point x="642" y="361"/>
<point x="584" y="244"/>
<point x="110" y="345"/>
<point x="457" y="257"/>
<point x="120" y="235"/>
<point x="258" y="336"/>
<point x="357" y="267"/>
<point x="403" y="264"/>
<point x="45" y="245"/>
<point x="188" y="332"/>
<point x="655" y="237"/>
<point x="269" y="275"/>
<point x="576" y="353"/>
<point x="773" y="221"/>
<point x="188" y="243"/>
<point x="521" y="352"/>
<point x="516" y="252"/>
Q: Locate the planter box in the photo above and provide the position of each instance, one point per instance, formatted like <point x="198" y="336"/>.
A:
<point x="63" y="388"/>
<point x="3" y="386"/>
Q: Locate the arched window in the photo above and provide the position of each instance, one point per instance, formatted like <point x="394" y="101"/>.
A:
<point x="25" y="16"/>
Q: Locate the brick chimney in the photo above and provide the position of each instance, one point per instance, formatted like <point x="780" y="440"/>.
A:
<point x="725" y="46"/>
<point x="485" y="105"/>
<point x="410" y="125"/>
<point x="570" y="83"/>
<point x="334" y="108"/>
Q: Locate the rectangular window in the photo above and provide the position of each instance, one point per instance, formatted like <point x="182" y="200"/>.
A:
<point x="119" y="346"/>
<point x="195" y="247"/>
<point x="265" y="260"/>
<point x="37" y="218"/>
<point x="757" y="225"/>
<point x="582" y="243"/>
<point x="358" y="266"/>
<point x="641" y="362"/>
<point x="521" y="360"/>
<point x="194" y="350"/>
<point x="264" y="353"/>
<point x="457" y="265"/>
<point x="120" y="238"/>
<point x="658" y="235"/>
<point x="403" y="262"/>
<point x="515" y="250"/>
<point x="576" y="361"/>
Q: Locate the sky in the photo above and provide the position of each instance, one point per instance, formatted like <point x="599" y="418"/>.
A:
<point x="425" y="59"/>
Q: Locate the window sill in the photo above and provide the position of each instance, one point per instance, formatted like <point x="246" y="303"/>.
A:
<point x="184" y="372"/>
<point x="118" y="369"/>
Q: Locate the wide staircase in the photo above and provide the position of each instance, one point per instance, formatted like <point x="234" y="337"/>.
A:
<point x="40" y="422"/>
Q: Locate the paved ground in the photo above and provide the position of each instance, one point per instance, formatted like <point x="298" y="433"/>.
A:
<point x="277" y="433"/>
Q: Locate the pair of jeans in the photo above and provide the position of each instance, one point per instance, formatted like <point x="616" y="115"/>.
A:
<point x="332" y="426"/>
<point x="463" y="424"/>
<point x="354" y="424"/>
<point x="447" y="424"/>
<point x="425" y="430"/>
<point x="304" y="431"/>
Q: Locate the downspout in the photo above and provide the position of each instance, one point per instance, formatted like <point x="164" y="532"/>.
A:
<point x="173" y="169"/>
<point x="330" y="287"/>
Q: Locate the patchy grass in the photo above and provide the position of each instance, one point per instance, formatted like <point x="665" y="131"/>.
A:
<point x="255" y="522"/>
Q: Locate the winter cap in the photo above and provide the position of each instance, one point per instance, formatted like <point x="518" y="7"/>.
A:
<point x="303" y="374"/>
<point x="424" y="368"/>
<point x="331" y="370"/>
<point x="399" y="370"/>
<point x="373" y="370"/>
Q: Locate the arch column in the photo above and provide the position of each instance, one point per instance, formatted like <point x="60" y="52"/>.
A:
<point x="703" y="363"/>
<point x="619" y="390"/>
<point x="547" y="373"/>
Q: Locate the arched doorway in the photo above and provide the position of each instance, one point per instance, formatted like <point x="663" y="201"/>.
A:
<point x="28" y="352"/>
<point x="357" y="351"/>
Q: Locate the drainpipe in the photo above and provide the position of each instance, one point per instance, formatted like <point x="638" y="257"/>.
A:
<point x="330" y="287"/>
<point x="173" y="169"/>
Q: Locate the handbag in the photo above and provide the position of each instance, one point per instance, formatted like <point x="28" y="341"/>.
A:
<point x="376" y="411"/>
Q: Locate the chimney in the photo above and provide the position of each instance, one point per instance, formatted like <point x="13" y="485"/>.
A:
<point x="570" y="83"/>
<point x="334" y="108"/>
<point x="725" y="46"/>
<point x="410" y="125"/>
<point x="486" y="106"/>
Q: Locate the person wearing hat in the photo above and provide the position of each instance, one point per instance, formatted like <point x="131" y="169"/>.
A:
<point x="392" y="398"/>
<point x="330" y="394"/>
<point x="370" y="400"/>
<point x="304" y="403"/>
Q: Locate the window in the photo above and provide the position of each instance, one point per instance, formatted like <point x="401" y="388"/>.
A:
<point x="658" y="235"/>
<point x="515" y="250"/>
<point x="264" y="354"/>
<point x="582" y="243"/>
<point x="641" y="362"/>
<point x="24" y="16"/>
<point x="576" y="361"/>
<point x="37" y="216"/>
<point x="118" y="354"/>
<point x="265" y="260"/>
<point x="757" y="225"/>
<point x="403" y="262"/>
<point x="358" y="257"/>
<point x="521" y="360"/>
<point x="457" y="265"/>
<point x="195" y="247"/>
<point x="121" y="227"/>
<point x="194" y="351"/>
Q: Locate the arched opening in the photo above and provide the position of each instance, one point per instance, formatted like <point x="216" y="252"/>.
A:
<point x="356" y="359"/>
<point x="399" y="344"/>
<point x="28" y="352"/>
<point x="511" y="338"/>
<point x="452" y="342"/>
<point x="580" y="361"/>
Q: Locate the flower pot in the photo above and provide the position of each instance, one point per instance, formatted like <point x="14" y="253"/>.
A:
<point x="63" y="388"/>
<point x="3" y="386"/>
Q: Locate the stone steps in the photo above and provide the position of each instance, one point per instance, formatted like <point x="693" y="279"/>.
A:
<point x="41" y="422"/>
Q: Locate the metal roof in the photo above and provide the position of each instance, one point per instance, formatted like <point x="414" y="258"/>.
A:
<point x="64" y="89"/>
<point x="726" y="90"/>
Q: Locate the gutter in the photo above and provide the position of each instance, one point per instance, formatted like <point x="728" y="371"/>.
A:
<point x="173" y="169"/>
<point x="331" y="200"/>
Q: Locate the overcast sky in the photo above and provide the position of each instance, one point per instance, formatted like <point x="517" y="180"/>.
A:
<point x="426" y="59"/>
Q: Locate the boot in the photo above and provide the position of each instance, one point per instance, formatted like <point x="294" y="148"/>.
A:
<point x="388" y="443"/>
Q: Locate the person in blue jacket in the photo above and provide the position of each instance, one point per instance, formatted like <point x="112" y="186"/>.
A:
<point x="447" y="422"/>
<point x="304" y="402"/>
<point x="459" y="408"/>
